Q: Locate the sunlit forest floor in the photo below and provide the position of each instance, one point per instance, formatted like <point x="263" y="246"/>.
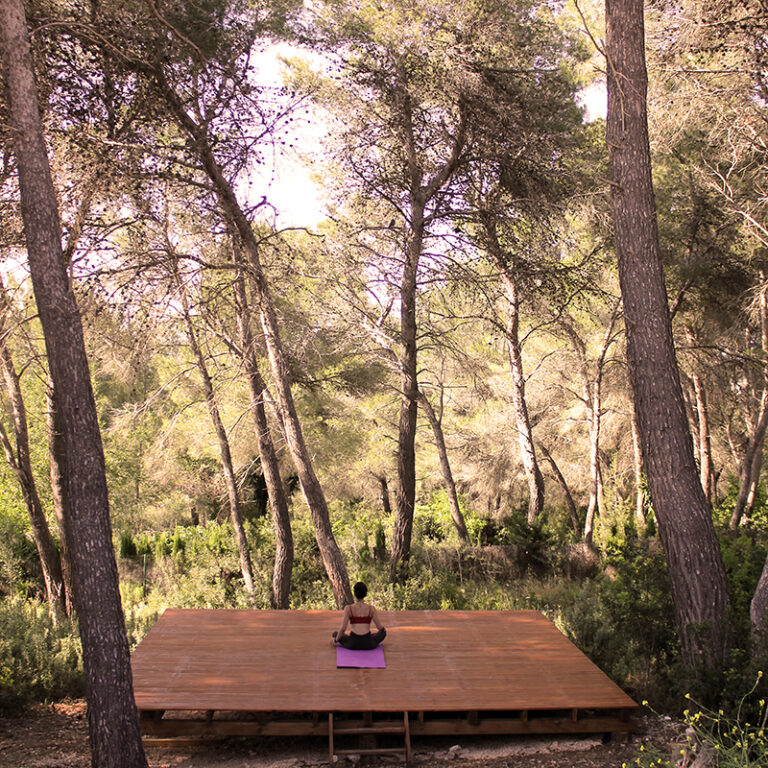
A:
<point x="56" y="736"/>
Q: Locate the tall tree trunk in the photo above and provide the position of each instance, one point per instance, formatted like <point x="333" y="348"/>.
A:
<point x="405" y="501"/>
<point x="278" y="504"/>
<point x="593" y="400"/>
<point x="569" y="502"/>
<point x="594" y="406"/>
<point x="112" y="715"/>
<point x="57" y="466"/>
<point x="705" y="440"/>
<point x="637" y="460"/>
<point x="420" y="192"/>
<point x="445" y="465"/>
<point x="21" y="464"/>
<point x="384" y="494"/>
<point x="751" y="462"/>
<point x="333" y="560"/>
<point x="697" y="574"/>
<point x="19" y="461"/>
<point x="530" y="463"/>
<point x="227" y="465"/>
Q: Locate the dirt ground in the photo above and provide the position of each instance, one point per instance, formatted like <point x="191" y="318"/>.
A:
<point x="56" y="736"/>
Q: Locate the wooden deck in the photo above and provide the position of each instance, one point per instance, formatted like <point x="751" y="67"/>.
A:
<point x="447" y="671"/>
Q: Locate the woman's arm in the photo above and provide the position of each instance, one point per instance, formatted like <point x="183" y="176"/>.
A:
<point x="344" y="622"/>
<point x="375" y="619"/>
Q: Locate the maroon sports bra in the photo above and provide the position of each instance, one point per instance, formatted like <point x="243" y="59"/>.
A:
<point x="360" y="619"/>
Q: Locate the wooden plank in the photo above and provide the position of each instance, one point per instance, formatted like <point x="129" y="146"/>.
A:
<point x="439" y="727"/>
<point x="407" y="736"/>
<point x="515" y="726"/>
<point x="437" y="661"/>
<point x="382" y="727"/>
<point x="222" y="728"/>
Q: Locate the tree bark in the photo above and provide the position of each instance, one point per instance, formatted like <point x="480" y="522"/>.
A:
<point x="405" y="500"/>
<point x="228" y="468"/>
<point x="384" y="493"/>
<point x="637" y="458"/>
<point x="112" y="715"/>
<point x="697" y="575"/>
<point x="705" y="440"/>
<point x="278" y="504"/>
<point x="445" y="466"/>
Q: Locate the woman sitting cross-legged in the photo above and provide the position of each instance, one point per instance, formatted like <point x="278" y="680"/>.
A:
<point x="359" y="617"/>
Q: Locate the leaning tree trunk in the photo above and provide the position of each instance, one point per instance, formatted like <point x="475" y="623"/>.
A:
<point x="569" y="502"/>
<point x="637" y="462"/>
<point x="405" y="500"/>
<point x="528" y="457"/>
<point x="20" y="463"/>
<point x="705" y="440"/>
<point x="57" y="463"/>
<point x="112" y="715"/>
<point x="333" y="560"/>
<point x="278" y="504"/>
<point x="594" y="405"/>
<point x="445" y="466"/>
<point x="697" y="575"/>
<point x="593" y="400"/>
<point x="228" y="468"/>
<point x="524" y="431"/>
<point x="386" y="506"/>
<point x="420" y="195"/>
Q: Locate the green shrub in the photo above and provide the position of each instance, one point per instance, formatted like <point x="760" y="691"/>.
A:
<point x="758" y="517"/>
<point x="178" y="541"/>
<point x="481" y="530"/>
<point x="626" y="623"/>
<point x="38" y="661"/>
<point x="380" y="547"/>
<point x="19" y="561"/>
<point x="535" y="540"/>
<point x="127" y="546"/>
<point x="743" y="558"/>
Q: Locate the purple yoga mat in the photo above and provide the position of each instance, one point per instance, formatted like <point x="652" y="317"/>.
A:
<point x="367" y="659"/>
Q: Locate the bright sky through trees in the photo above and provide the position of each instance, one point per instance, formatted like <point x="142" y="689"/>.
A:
<point x="288" y="181"/>
<point x="286" y="178"/>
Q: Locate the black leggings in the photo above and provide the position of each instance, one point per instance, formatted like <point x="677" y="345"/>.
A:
<point x="364" y="642"/>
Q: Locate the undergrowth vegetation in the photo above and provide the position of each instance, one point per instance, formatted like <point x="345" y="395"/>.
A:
<point x="614" y="602"/>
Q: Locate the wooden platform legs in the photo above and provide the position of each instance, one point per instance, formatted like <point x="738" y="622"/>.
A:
<point x="369" y="727"/>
